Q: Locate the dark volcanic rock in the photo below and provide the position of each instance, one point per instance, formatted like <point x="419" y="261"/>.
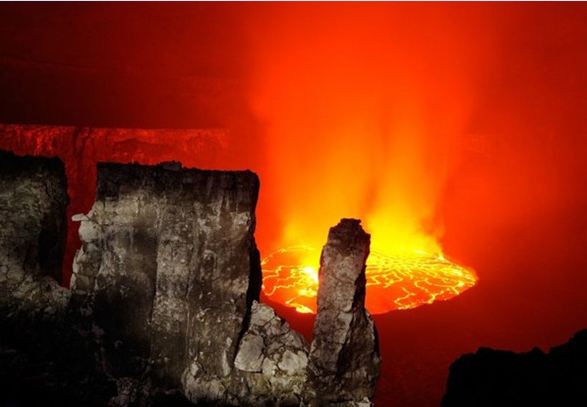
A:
<point x="169" y="266"/>
<point x="502" y="378"/>
<point x="164" y="303"/>
<point x="169" y="272"/>
<point x="33" y="199"/>
<point x="43" y="359"/>
<point x="344" y="358"/>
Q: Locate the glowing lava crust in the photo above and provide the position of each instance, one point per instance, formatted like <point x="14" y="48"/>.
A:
<point x="393" y="282"/>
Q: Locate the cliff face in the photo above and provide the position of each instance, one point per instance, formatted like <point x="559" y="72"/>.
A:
<point x="163" y="306"/>
<point x="171" y="274"/>
<point x="38" y="355"/>
<point x="169" y="264"/>
<point x="33" y="199"/>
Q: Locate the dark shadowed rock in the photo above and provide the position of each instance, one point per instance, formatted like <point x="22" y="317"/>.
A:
<point x="169" y="266"/>
<point x="33" y="198"/>
<point x="502" y="378"/>
<point x="164" y="303"/>
<point x="43" y="359"/>
<point x="344" y="357"/>
<point x="169" y="272"/>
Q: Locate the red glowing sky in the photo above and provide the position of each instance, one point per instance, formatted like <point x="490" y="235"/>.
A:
<point x="473" y="113"/>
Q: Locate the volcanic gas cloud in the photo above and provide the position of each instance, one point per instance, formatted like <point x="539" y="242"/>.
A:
<point x="360" y="125"/>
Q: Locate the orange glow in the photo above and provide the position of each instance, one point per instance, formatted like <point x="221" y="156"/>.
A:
<point x="456" y="129"/>
<point x="355" y="111"/>
<point x="393" y="282"/>
<point x="360" y="125"/>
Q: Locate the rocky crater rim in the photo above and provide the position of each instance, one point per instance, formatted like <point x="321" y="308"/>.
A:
<point x="165" y="289"/>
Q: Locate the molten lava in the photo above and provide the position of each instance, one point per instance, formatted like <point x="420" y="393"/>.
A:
<point x="400" y="281"/>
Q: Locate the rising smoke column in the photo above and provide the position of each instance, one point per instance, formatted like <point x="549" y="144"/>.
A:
<point x="364" y="108"/>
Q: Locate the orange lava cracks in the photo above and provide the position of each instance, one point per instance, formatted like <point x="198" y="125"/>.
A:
<point x="393" y="282"/>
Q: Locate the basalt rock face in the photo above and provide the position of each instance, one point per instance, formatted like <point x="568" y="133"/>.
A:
<point x="344" y="357"/>
<point x="33" y="198"/>
<point x="503" y="378"/>
<point x="169" y="268"/>
<point x="170" y="274"/>
<point x="42" y="357"/>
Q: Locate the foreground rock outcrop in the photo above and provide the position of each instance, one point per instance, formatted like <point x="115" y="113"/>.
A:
<point x="43" y="359"/>
<point x="33" y="199"/>
<point x="169" y="263"/>
<point x="503" y="378"/>
<point x="163" y="307"/>
<point x="344" y="359"/>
